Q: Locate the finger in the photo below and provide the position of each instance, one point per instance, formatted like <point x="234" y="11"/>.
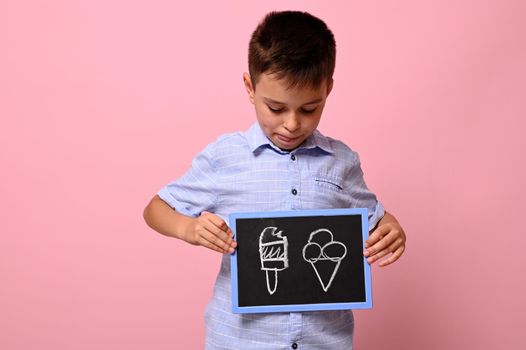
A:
<point x="390" y="249"/>
<point x="215" y="220"/>
<point x="395" y="256"/>
<point x="221" y="238"/>
<point x="213" y="242"/>
<point x="221" y="226"/>
<point x="205" y="243"/>
<point x="383" y="252"/>
<point x="380" y="245"/>
<point x="218" y="222"/>
<point x="377" y="235"/>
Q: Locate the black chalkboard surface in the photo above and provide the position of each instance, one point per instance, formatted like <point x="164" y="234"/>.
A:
<point x="300" y="261"/>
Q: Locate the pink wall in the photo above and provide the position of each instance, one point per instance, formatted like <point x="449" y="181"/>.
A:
<point x="103" y="102"/>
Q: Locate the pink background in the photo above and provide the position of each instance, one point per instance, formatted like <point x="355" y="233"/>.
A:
<point x="103" y="102"/>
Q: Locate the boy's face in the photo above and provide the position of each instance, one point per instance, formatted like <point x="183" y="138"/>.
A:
<point x="286" y="116"/>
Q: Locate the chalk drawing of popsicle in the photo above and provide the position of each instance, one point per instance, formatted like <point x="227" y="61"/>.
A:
<point x="273" y="252"/>
<point x="325" y="255"/>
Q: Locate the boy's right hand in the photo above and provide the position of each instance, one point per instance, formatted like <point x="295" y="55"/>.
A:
<point x="210" y="231"/>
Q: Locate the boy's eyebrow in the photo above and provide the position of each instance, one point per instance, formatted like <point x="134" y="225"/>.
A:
<point x="267" y="99"/>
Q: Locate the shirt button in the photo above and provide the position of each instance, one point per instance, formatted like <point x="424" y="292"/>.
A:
<point x="294" y="191"/>
<point x="294" y="346"/>
<point x="293" y="157"/>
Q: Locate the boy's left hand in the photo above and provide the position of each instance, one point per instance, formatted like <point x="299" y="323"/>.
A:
<point x="388" y="238"/>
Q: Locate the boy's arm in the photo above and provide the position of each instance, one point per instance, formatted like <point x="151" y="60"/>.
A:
<point x="388" y="238"/>
<point x="208" y="230"/>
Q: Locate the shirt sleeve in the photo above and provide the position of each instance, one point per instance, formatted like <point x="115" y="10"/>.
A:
<point x="195" y="191"/>
<point x="362" y="197"/>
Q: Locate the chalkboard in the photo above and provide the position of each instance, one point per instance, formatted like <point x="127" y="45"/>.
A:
<point x="301" y="260"/>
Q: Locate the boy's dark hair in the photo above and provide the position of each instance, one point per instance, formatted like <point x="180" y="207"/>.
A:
<point x="293" y="45"/>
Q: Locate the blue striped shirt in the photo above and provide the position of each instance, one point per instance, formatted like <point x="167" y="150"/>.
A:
<point x="244" y="171"/>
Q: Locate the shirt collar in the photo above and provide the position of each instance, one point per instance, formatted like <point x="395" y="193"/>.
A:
<point x="256" y="139"/>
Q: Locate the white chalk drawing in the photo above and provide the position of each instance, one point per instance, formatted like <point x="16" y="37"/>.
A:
<point x="325" y="254"/>
<point x="273" y="252"/>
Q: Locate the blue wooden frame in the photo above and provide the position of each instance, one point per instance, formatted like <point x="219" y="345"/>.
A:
<point x="301" y="307"/>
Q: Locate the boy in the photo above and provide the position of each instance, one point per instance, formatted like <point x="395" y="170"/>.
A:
<point x="281" y="163"/>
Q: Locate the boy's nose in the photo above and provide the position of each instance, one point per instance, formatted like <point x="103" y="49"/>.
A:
<point x="292" y="123"/>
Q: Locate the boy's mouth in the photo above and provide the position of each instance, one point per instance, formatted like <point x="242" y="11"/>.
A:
<point x="287" y="140"/>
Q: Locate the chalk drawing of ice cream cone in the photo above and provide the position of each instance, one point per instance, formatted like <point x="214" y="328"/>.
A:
<point x="325" y="256"/>
<point x="273" y="252"/>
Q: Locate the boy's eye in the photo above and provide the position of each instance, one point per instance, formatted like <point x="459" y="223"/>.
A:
<point x="275" y="110"/>
<point x="307" y="111"/>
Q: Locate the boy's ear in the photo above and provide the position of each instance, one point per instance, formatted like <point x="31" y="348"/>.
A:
<point x="248" y="87"/>
<point x="330" y="84"/>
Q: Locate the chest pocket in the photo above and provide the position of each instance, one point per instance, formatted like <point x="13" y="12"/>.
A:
<point x="328" y="191"/>
<point x="331" y="183"/>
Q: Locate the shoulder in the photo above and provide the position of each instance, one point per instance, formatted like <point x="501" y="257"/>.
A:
<point x="227" y="149"/>
<point x="228" y="142"/>
<point x="341" y="151"/>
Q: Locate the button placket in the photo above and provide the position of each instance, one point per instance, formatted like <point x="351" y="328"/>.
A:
<point x="295" y="181"/>
<point x="295" y="329"/>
